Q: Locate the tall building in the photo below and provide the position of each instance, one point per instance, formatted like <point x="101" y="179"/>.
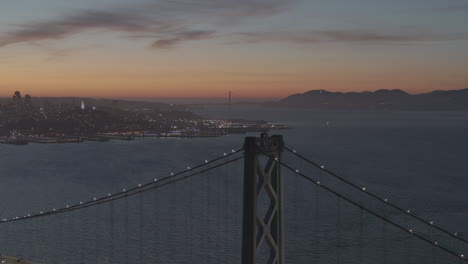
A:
<point x="82" y="105"/>
<point x="17" y="97"/>
<point x="27" y="101"/>
<point x="17" y="100"/>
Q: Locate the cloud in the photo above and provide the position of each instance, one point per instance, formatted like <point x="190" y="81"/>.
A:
<point x="223" y="9"/>
<point x="342" y="36"/>
<point x="85" y="20"/>
<point x="182" y="37"/>
<point x="170" y="22"/>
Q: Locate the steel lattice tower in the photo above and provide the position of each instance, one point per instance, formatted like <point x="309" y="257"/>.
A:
<point x="262" y="179"/>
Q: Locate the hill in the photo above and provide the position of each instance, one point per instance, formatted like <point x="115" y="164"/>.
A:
<point x="380" y="99"/>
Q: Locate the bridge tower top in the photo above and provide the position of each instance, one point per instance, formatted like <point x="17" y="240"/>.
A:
<point x="262" y="179"/>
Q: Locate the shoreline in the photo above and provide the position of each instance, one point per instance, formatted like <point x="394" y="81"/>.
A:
<point x="66" y="139"/>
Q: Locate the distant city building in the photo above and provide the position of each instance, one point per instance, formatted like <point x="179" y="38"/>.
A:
<point x="28" y="101"/>
<point x="17" y="100"/>
<point x="82" y="105"/>
<point x="17" y="96"/>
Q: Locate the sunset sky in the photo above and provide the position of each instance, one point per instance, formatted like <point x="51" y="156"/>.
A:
<point x="254" y="48"/>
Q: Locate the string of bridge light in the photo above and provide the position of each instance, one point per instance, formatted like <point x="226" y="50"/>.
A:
<point x="128" y="194"/>
<point x="142" y="187"/>
<point x="409" y="231"/>
<point x="377" y="197"/>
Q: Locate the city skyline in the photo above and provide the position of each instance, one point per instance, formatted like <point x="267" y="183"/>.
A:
<point x="256" y="48"/>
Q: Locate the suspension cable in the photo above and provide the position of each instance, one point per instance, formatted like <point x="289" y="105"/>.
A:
<point x="409" y="231"/>
<point x="375" y="196"/>
<point x="206" y="163"/>
<point x="135" y="190"/>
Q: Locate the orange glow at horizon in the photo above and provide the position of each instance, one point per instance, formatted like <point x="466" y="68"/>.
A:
<point x="192" y="77"/>
<point x="213" y="85"/>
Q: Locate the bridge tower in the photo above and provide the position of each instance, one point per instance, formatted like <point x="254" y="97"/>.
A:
<point x="262" y="179"/>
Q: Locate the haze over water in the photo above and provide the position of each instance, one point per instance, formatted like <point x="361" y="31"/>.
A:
<point x="415" y="159"/>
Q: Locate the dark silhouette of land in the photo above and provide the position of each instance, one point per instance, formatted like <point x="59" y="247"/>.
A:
<point x="380" y="99"/>
<point x="96" y="102"/>
<point x="72" y="120"/>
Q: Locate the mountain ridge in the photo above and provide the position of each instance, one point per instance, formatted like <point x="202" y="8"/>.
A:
<point x="379" y="99"/>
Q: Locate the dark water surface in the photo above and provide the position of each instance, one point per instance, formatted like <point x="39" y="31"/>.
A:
<point x="416" y="159"/>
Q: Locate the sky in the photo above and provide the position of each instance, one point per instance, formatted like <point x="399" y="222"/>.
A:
<point x="254" y="48"/>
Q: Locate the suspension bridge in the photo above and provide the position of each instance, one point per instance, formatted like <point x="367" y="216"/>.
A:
<point x="279" y="207"/>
